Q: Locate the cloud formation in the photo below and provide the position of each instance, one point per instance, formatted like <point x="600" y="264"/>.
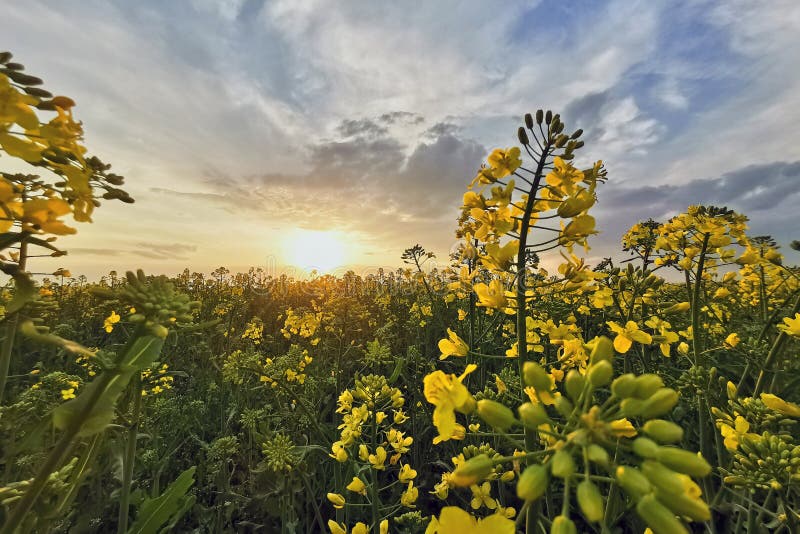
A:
<point x="237" y="121"/>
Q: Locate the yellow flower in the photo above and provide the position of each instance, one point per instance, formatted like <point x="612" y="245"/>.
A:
<point x="499" y="257"/>
<point x="360" y="528"/>
<point x="791" y="326"/>
<point x="454" y="520"/>
<point x="733" y="433"/>
<point x="504" y="162"/>
<point x="453" y="346"/>
<point x="732" y="340"/>
<point x="449" y="395"/>
<point x="336" y="528"/>
<point x="773" y="402"/>
<point x="110" y="321"/>
<point x="627" y="335"/>
<point x="337" y="500"/>
<point x="409" y="496"/>
<point x="338" y="452"/>
<point x="384" y="527"/>
<point x="378" y="459"/>
<point x="622" y="428"/>
<point x="67" y="394"/>
<point x="482" y="496"/>
<point x="492" y="295"/>
<point x="357" y="486"/>
<point x="406" y="474"/>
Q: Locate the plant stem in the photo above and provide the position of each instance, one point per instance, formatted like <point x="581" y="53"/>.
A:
<point x="129" y="459"/>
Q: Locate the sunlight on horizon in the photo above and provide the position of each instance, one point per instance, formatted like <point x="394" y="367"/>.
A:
<point x="318" y="250"/>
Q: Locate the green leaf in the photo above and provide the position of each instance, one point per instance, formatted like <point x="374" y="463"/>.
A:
<point x="142" y="352"/>
<point x="170" y="506"/>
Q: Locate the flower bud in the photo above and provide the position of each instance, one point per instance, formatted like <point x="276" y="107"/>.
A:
<point x="532" y="415"/>
<point x="603" y="349"/>
<point x="539" y="116"/>
<point x="658" y="517"/>
<point x="684" y="505"/>
<point x="662" y="477"/>
<point x="532" y="482"/>
<point x="528" y="120"/>
<point x="661" y="402"/>
<point x="574" y="384"/>
<point x="534" y="375"/>
<point x="645" y="447"/>
<point x="523" y="136"/>
<point x="472" y="471"/>
<point x="564" y="406"/>
<point x="663" y="431"/>
<point x="683" y="461"/>
<point x="495" y="414"/>
<point x="590" y="501"/>
<point x="597" y="454"/>
<point x="624" y="386"/>
<point x="562" y="465"/>
<point x="631" y="407"/>
<point x="563" y="525"/>
<point x="633" y="481"/>
<point x="647" y="384"/>
<point x="600" y="373"/>
<point x="548" y="117"/>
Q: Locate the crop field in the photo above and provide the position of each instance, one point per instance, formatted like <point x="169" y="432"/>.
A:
<point x="513" y="386"/>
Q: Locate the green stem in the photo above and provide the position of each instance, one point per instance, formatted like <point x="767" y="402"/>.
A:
<point x="129" y="459"/>
<point x="777" y="349"/>
<point x="11" y="328"/>
<point x="697" y="344"/>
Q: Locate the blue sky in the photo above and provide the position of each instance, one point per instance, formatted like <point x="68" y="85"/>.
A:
<point x="240" y="123"/>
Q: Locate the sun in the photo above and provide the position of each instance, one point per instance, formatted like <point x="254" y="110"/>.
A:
<point x="322" y="251"/>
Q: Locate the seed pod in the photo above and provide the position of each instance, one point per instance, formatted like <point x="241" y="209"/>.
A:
<point x="563" y="525"/>
<point x="624" y="386"/>
<point x="683" y="461"/>
<point x="495" y="414"/>
<point x="528" y="120"/>
<point x="661" y="402"/>
<point x="658" y="517"/>
<point x="600" y="373"/>
<point x="473" y="471"/>
<point x="590" y="501"/>
<point x="663" y="431"/>
<point x="685" y="506"/>
<point x="633" y="481"/>
<point x="523" y="136"/>
<point x="562" y="465"/>
<point x="532" y="415"/>
<point x="532" y="482"/>
<point x="603" y="349"/>
<point x="597" y="454"/>
<point x="647" y="384"/>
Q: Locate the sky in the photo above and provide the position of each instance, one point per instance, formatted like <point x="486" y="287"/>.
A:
<point x="261" y="133"/>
